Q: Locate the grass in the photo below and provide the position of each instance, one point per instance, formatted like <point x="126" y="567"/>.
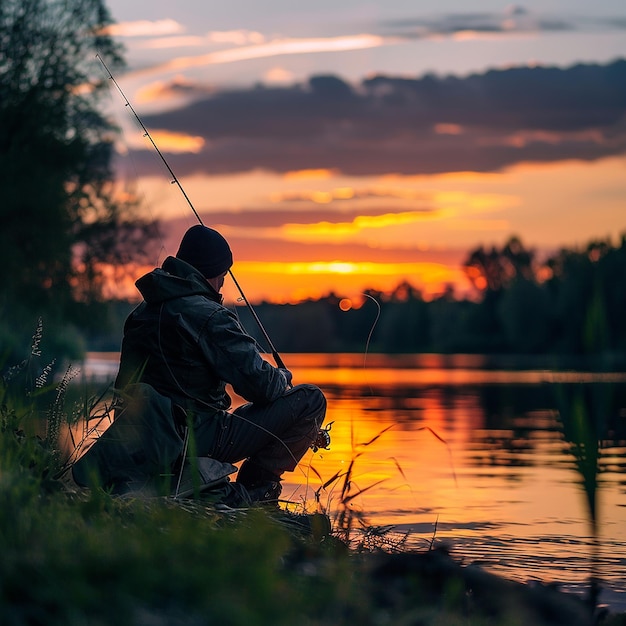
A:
<point x="81" y="557"/>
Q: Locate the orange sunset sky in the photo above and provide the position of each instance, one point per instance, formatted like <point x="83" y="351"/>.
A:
<point x="345" y="149"/>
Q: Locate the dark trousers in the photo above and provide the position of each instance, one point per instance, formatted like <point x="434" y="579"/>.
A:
<point x="272" y="437"/>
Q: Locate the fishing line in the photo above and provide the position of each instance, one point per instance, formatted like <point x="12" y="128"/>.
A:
<point x="174" y="180"/>
<point x="369" y="337"/>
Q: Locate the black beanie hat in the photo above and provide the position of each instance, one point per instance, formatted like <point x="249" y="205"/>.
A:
<point x="206" y="250"/>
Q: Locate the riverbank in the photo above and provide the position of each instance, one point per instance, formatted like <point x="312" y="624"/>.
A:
<point x="76" y="557"/>
<point x="503" y="489"/>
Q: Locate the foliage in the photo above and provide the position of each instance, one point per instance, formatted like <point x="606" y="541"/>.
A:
<point x="571" y="303"/>
<point x="62" y="224"/>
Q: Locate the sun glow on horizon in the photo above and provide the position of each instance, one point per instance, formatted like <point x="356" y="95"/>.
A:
<point x="343" y="267"/>
<point x="293" y="282"/>
<point x="377" y="227"/>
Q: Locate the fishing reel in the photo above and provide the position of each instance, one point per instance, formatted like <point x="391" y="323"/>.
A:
<point x="322" y="439"/>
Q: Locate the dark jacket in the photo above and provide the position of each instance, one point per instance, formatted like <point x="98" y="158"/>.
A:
<point x="185" y="344"/>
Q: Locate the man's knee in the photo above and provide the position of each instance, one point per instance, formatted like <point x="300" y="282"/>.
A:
<point x="314" y="399"/>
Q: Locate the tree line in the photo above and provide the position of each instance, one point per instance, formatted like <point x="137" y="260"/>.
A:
<point x="571" y="303"/>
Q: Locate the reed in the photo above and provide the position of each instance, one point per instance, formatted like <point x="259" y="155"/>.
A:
<point x="583" y="414"/>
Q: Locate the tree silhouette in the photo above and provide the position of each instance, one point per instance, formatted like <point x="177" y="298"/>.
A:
<point x="493" y="270"/>
<point x="61" y="221"/>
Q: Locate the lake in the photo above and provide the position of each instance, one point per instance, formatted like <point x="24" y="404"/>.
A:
<point x="488" y="456"/>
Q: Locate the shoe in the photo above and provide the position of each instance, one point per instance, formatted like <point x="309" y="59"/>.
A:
<point x="265" y="493"/>
<point x="202" y="474"/>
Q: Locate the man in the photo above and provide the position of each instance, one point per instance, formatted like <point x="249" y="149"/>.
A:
<point x="183" y="343"/>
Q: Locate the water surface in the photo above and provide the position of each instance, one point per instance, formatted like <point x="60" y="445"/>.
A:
<point x="478" y="454"/>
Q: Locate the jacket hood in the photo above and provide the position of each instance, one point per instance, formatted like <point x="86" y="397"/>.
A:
<point x="175" y="279"/>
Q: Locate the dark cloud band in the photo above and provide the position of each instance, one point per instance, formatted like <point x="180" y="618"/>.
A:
<point x="431" y="124"/>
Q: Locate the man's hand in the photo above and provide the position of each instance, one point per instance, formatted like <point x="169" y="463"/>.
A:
<point x="287" y="374"/>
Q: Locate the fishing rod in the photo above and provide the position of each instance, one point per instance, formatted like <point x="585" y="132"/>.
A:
<point x="175" y="181"/>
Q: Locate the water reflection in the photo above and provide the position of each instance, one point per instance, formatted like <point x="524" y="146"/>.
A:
<point x="474" y="452"/>
<point x="505" y="489"/>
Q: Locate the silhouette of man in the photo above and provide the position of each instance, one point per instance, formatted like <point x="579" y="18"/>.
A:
<point x="186" y="345"/>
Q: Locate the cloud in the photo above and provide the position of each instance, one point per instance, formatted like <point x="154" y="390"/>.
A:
<point x="515" y="20"/>
<point x="240" y="37"/>
<point x="481" y="123"/>
<point x="183" y="41"/>
<point x="307" y="218"/>
<point x="232" y="37"/>
<point x="145" y="28"/>
<point x="161" y="91"/>
<point x="278" y="75"/>
<point x="243" y="44"/>
<point x="177" y="142"/>
<point x="241" y="232"/>
<point x="276" y="47"/>
<point x="341" y="231"/>
<point x="345" y="194"/>
<point x="334" y="229"/>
